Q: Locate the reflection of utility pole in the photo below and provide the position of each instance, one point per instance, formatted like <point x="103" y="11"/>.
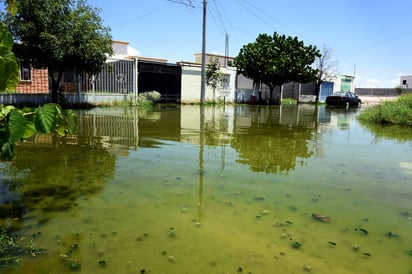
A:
<point x="201" y="171"/>
<point x="203" y="70"/>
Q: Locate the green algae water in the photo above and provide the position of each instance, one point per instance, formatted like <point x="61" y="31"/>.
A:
<point x="230" y="189"/>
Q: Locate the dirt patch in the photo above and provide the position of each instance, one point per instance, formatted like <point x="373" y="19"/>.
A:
<point x="376" y="99"/>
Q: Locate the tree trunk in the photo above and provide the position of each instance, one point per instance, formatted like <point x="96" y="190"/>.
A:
<point x="55" y="84"/>
<point x="271" y="88"/>
<point x="317" y="92"/>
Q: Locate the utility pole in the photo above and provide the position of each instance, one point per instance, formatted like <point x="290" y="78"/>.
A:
<point x="203" y="70"/>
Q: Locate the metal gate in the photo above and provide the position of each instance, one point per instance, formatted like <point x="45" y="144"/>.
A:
<point x="116" y="77"/>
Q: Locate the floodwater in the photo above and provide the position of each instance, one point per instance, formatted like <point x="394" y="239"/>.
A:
<point x="231" y="189"/>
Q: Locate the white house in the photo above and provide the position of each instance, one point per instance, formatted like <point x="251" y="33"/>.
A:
<point x="191" y="84"/>
<point x="406" y="81"/>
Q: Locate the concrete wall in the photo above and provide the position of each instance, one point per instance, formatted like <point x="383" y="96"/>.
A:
<point x="376" y="91"/>
<point x="69" y="99"/>
<point x="191" y="81"/>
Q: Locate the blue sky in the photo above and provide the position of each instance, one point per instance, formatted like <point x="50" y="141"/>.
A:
<point x="371" y="39"/>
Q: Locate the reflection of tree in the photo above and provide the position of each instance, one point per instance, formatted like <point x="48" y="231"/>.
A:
<point x="270" y="147"/>
<point x="398" y="133"/>
<point x="51" y="178"/>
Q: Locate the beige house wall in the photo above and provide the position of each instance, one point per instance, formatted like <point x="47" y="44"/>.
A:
<point x="191" y="81"/>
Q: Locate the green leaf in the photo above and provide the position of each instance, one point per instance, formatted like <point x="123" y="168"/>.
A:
<point x="7" y="151"/>
<point x="71" y="121"/>
<point x="45" y="117"/>
<point x="30" y="130"/>
<point x="16" y="126"/>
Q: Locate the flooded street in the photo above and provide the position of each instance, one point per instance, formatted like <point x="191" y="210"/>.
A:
<point x="234" y="189"/>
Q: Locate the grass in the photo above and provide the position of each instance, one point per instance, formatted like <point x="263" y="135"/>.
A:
<point x="398" y="112"/>
<point x="289" y="101"/>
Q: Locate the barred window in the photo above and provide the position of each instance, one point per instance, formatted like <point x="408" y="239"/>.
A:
<point x="25" y="73"/>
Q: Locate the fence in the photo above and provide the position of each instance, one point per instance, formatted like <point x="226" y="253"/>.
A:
<point x="117" y="81"/>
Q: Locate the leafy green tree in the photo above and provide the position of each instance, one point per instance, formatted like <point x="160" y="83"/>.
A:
<point x="276" y="60"/>
<point x="60" y="35"/>
<point x="9" y="69"/>
<point x="214" y="77"/>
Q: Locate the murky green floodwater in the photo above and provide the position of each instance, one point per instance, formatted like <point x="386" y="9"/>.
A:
<point x="214" y="190"/>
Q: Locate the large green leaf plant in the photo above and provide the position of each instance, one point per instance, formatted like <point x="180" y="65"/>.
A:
<point x="19" y="124"/>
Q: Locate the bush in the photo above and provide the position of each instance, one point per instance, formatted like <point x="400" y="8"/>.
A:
<point x="398" y="112"/>
<point x="148" y="98"/>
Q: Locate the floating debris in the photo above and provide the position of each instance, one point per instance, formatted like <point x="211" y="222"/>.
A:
<point x="171" y="259"/>
<point x="367" y="254"/>
<point x="355" y="247"/>
<point x="172" y="232"/>
<point x="296" y="245"/>
<point x="405" y="213"/>
<point x="102" y="263"/>
<point x="332" y="243"/>
<point x="321" y="218"/>
<point x="258" y="199"/>
<point x="265" y="212"/>
<point x="391" y="234"/>
<point x="307" y="268"/>
<point x="75" y="265"/>
<point x="364" y="231"/>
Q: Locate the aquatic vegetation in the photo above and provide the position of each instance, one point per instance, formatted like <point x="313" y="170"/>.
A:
<point x="296" y="244"/>
<point x="13" y="249"/>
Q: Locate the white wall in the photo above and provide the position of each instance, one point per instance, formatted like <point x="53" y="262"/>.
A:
<point x="406" y="81"/>
<point x="191" y="79"/>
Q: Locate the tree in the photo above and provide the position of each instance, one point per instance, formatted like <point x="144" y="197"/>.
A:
<point x="214" y="77"/>
<point x="9" y="69"/>
<point x="326" y="66"/>
<point x="276" y="60"/>
<point x="16" y="124"/>
<point x="60" y="35"/>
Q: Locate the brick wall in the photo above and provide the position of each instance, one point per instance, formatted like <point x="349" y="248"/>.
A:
<point x="39" y="82"/>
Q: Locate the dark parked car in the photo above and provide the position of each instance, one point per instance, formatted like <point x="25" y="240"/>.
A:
<point x="343" y="99"/>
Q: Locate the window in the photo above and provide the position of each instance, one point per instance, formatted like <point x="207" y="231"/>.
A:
<point x="403" y="82"/>
<point x="25" y="72"/>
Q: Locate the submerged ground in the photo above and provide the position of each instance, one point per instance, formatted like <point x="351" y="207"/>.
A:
<point x="214" y="190"/>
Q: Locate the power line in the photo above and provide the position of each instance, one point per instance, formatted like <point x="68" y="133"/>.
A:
<point x="187" y="3"/>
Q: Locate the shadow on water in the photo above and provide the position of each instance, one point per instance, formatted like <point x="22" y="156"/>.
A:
<point x="50" y="175"/>
<point x="216" y="189"/>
